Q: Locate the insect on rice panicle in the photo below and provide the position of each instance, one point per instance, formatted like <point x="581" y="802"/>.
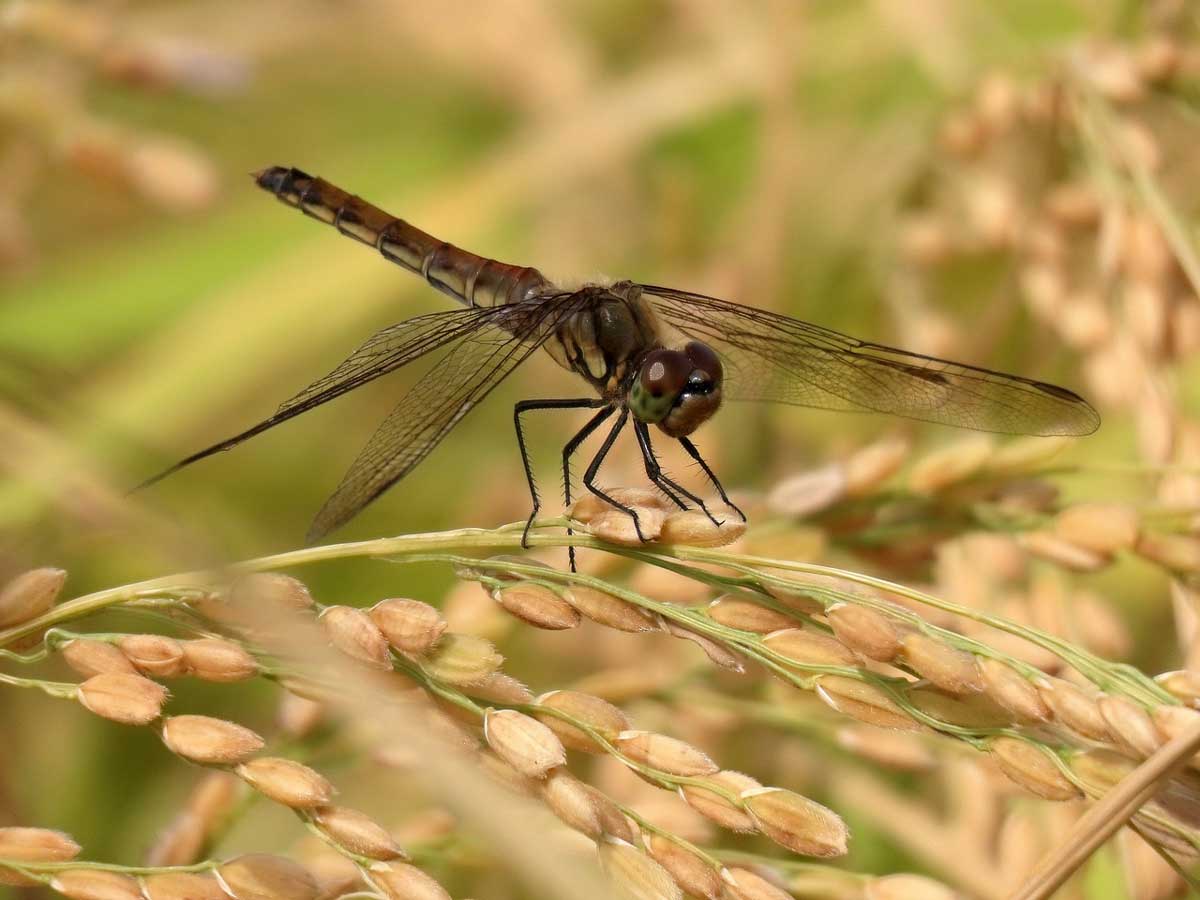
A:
<point x="652" y="355"/>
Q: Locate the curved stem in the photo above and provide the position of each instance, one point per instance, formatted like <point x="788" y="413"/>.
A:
<point x="755" y="572"/>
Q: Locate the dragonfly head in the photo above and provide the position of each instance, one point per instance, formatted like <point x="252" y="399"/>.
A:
<point x="678" y="390"/>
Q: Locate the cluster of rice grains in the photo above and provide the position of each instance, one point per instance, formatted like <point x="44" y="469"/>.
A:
<point x="933" y="683"/>
<point x="1013" y="667"/>
<point x="122" y="675"/>
<point x="1063" y="195"/>
<point x="455" y="679"/>
<point x="971" y="720"/>
<point x="1074" y="191"/>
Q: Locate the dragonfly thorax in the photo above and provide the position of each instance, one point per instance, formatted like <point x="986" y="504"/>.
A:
<point x="677" y="390"/>
<point x="604" y="339"/>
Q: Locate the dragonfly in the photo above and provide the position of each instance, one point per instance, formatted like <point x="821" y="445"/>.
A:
<point x="652" y="355"/>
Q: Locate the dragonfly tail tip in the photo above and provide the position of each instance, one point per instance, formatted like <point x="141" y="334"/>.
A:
<point x="272" y="177"/>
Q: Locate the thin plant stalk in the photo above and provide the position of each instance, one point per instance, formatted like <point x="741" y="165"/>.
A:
<point x="1104" y="818"/>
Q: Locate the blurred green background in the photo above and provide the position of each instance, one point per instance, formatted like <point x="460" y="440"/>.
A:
<point x="153" y="301"/>
<point x="760" y="156"/>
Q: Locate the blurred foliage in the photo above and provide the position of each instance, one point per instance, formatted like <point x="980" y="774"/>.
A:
<point x="758" y="151"/>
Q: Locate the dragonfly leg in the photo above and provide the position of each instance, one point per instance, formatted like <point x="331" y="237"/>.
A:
<point x="568" y="451"/>
<point x="589" y="477"/>
<point x="695" y="454"/>
<point x="655" y="473"/>
<point x="527" y="406"/>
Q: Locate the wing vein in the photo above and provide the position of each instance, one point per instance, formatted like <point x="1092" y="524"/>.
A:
<point x="775" y="358"/>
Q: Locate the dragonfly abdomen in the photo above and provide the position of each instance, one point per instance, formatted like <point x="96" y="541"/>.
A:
<point x="470" y="279"/>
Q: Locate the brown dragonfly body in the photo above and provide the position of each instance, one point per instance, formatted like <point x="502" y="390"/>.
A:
<point x="603" y="341"/>
<point x="653" y="355"/>
<point x="470" y="279"/>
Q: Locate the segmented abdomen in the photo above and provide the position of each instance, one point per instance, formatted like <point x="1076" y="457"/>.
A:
<point x="470" y="279"/>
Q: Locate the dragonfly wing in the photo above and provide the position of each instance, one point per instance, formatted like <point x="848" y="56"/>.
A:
<point x="468" y="371"/>
<point x="384" y="352"/>
<point x="776" y="358"/>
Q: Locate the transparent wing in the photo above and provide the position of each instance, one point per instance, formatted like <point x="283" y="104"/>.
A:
<point x="470" y="369"/>
<point x="384" y="352"/>
<point x="776" y="358"/>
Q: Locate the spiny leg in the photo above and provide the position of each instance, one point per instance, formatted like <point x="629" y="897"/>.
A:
<point x="527" y="406"/>
<point x="655" y="473"/>
<point x="568" y="451"/>
<point x="589" y="477"/>
<point x="695" y="454"/>
<point x="653" y="470"/>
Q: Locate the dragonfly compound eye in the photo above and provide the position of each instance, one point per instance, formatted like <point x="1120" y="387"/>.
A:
<point x="707" y="363"/>
<point x="664" y="373"/>
<point x="660" y="382"/>
<point x="677" y="389"/>
<point x="695" y="406"/>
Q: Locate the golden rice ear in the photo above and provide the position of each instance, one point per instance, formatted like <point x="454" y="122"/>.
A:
<point x="123" y="697"/>
<point x="866" y="631"/>
<point x="747" y="615"/>
<point x="400" y="881"/>
<point x="182" y="886"/>
<point x="287" y="782"/>
<point x="85" y="884"/>
<point x="357" y="832"/>
<point x="608" y="610"/>
<point x="352" y="631"/>
<point x="634" y="873"/>
<point x="523" y="742"/>
<point x="1033" y="768"/>
<point x="409" y="625"/>
<point x="91" y="657"/>
<point x="665" y="754"/>
<point x="154" y="655"/>
<point x="210" y="741"/>
<point x="619" y="527"/>
<point x="694" y="528"/>
<point x="796" y="822"/>
<point x="581" y="720"/>
<point x="29" y="595"/>
<point x="33" y="845"/>
<point x="537" y="605"/>
<point x="746" y="884"/>
<point x="267" y="875"/>
<point x="589" y="506"/>
<point x="694" y="875"/>
<point x="213" y="659"/>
